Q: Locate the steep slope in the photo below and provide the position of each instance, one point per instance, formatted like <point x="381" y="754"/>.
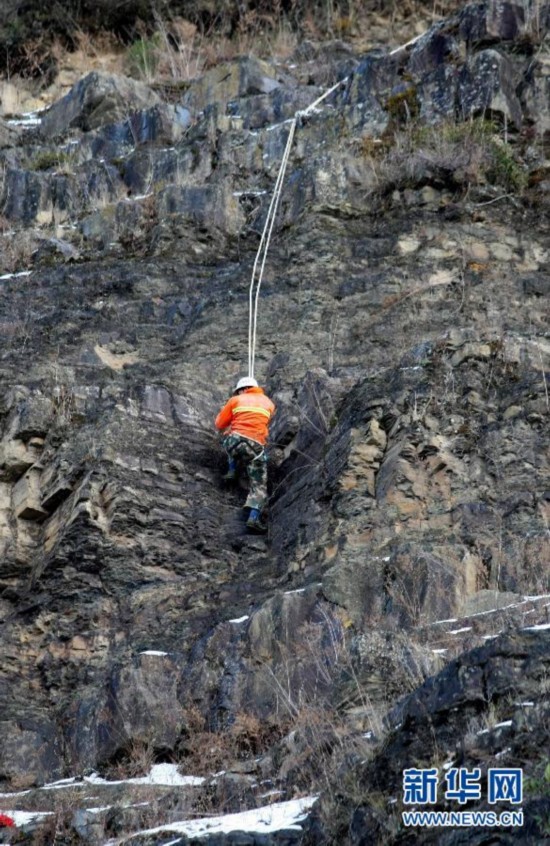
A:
<point x="401" y="334"/>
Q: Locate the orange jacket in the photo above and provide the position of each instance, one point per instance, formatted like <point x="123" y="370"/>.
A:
<point x="247" y="414"/>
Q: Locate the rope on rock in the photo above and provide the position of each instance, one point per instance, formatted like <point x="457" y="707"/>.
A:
<point x="261" y="255"/>
<point x="272" y="211"/>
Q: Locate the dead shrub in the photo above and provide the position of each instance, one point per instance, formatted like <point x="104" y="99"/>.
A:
<point x="133" y="760"/>
<point x="449" y="156"/>
<point x="206" y="752"/>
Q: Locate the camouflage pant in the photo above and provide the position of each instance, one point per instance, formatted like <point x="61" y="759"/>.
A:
<point x="252" y="455"/>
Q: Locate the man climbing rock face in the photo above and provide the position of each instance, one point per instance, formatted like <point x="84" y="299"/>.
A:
<point x="244" y="421"/>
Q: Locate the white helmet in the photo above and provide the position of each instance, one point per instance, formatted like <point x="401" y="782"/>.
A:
<point x="246" y="382"/>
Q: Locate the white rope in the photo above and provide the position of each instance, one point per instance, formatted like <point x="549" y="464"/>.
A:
<point x="268" y="229"/>
<point x="264" y="243"/>
<point x="272" y="211"/>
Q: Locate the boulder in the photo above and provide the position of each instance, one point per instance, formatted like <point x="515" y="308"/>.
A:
<point x="97" y="99"/>
<point x="487" y="85"/>
<point x="229" y="81"/>
<point x="9" y="135"/>
<point x="210" y="207"/>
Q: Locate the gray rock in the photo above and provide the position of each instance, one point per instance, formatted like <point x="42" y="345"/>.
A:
<point x="9" y="135"/>
<point x="488" y="85"/>
<point x="98" y="98"/>
<point x="230" y="80"/>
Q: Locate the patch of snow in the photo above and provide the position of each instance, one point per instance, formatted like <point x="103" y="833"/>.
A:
<point x="539" y="596"/>
<point x="525" y="704"/>
<point x="448" y="764"/>
<point x="24" y="121"/>
<point x="439" y="622"/>
<point x="12" y="275"/>
<point x="505" y="724"/>
<point x="490" y="637"/>
<point x="9" y="795"/>
<point x="368" y="735"/>
<point x="439" y="651"/>
<point x="271" y="793"/>
<point x="153" y="652"/>
<point x="458" y="631"/>
<point x="57" y="785"/>
<point x="23" y="817"/>
<point x="162" y="774"/>
<point x="298" y="590"/>
<point x="248" y="193"/>
<point x="268" y="818"/>
<point x="504" y="752"/>
<point x="541" y="628"/>
<point x="239" y="619"/>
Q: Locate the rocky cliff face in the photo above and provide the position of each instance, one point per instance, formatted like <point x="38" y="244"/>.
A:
<point x="402" y="335"/>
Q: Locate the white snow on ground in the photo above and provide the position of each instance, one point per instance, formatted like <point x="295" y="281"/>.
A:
<point x="58" y="785"/>
<point x="439" y="651"/>
<point x="458" y="631"/>
<point x="30" y="119"/>
<point x="263" y="820"/>
<point x="11" y="275"/>
<point x="248" y="193"/>
<point x="439" y="622"/>
<point x="540" y="596"/>
<point x="9" y="795"/>
<point x="24" y="817"/>
<point x="239" y="619"/>
<point x="542" y="627"/>
<point x="505" y="724"/>
<point x="153" y="652"/>
<point x="164" y="774"/>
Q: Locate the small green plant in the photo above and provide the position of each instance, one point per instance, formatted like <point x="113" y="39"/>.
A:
<point x="403" y="106"/>
<point x="539" y="783"/>
<point x="143" y="57"/>
<point x="504" y="169"/>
